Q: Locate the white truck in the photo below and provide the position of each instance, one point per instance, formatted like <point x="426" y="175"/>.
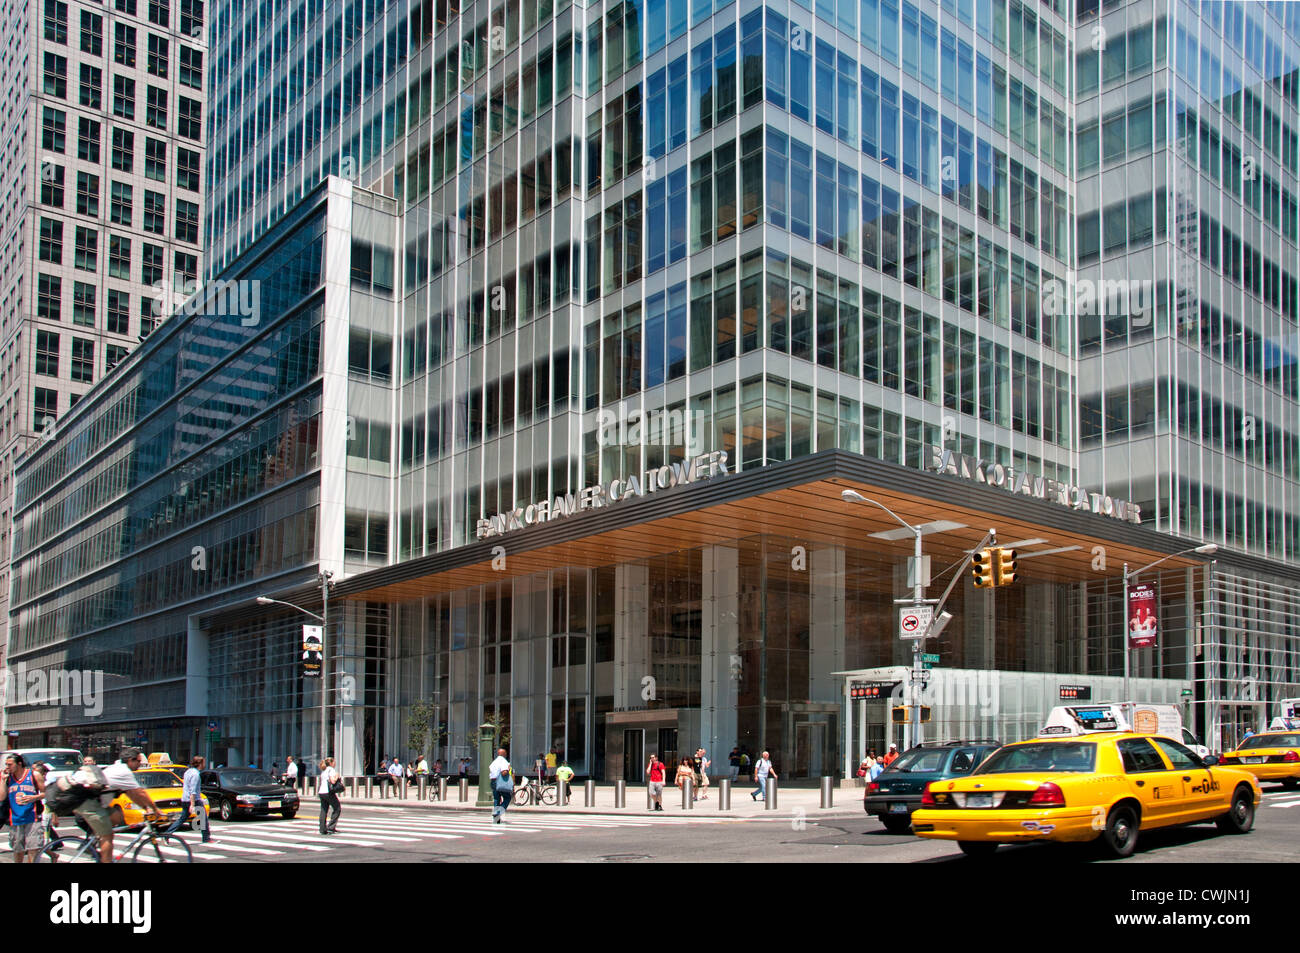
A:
<point x="1143" y="718"/>
<point x="1287" y="717"/>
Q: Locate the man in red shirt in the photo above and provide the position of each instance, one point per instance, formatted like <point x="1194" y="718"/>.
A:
<point x="890" y="755"/>
<point x="655" y="774"/>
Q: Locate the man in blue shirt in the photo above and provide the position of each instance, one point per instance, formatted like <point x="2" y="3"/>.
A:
<point x="193" y="800"/>
<point x="24" y="791"/>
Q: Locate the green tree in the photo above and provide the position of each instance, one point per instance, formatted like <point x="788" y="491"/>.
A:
<point x="418" y="721"/>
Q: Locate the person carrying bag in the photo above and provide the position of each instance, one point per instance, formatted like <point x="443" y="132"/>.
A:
<point x="503" y="786"/>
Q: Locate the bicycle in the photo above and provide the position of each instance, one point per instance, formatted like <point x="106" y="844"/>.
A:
<point x="163" y="841"/>
<point x="533" y="791"/>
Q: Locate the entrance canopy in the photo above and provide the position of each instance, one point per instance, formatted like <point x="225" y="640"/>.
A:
<point x="800" y="500"/>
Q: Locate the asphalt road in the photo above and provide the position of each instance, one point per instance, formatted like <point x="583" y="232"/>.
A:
<point x="374" y="834"/>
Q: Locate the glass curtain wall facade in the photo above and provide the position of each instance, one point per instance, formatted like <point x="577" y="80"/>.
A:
<point x="1188" y="163"/>
<point x="194" y="478"/>
<point x="734" y="645"/>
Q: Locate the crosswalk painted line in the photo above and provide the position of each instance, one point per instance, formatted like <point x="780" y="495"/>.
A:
<point x="391" y="828"/>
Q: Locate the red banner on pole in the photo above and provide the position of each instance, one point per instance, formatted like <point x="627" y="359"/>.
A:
<point x="1141" y="616"/>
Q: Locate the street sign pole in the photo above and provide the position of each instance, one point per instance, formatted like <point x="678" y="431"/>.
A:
<point x="918" y="647"/>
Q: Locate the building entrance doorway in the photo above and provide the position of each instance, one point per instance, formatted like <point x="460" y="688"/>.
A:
<point x="634" y="755"/>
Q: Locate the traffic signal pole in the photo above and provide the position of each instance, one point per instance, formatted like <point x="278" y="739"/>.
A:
<point x="918" y="645"/>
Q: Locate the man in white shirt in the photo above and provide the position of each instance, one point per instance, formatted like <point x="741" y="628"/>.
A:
<point x="502" y="787"/>
<point x="291" y="772"/>
<point x="762" y="771"/>
<point x="120" y="777"/>
<point x="395" y="772"/>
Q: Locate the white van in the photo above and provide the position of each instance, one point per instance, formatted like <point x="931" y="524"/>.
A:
<point x="1121" y="716"/>
<point x="1288" y="716"/>
<point x="61" y="761"/>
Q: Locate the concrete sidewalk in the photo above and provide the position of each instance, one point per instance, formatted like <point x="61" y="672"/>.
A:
<point x="788" y="800"/>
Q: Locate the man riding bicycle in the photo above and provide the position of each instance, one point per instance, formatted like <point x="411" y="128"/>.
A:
<point x="120" y="777"/>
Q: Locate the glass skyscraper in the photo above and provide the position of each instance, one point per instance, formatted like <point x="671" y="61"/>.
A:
<point x="568" y="247"/>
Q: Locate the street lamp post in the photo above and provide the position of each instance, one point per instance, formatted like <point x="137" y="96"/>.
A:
<point x="1206" y="549"/>
<point x="324" y="577"/>
<point x="918" y="594"/>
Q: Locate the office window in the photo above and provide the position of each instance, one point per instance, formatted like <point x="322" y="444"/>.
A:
<point x="83" y="360"/>
<point x="91" y="93"/>
<point x="119" y="257"/>
<point x="45" y="408"/>
<point x="123" y="97"/>
<point x="52" y="184"/>
<point x="155" y="111"/>
<point x="192" y="17"/>
<point x="155" y="159"/>
<point x="53" y="129"/>
<point x="92" y="33"/>
<point x="191" y="71"/>
<point x="185" y="270"/>
<point x="190" y="118"/>
<point x="117" y="311"/>
<point x="123" y="44"/>
<point x="51" y="245"/>
<point x="123" y="149"/>
<point x="187" y="169"/>
<point x="155" y="212"/>
<point x="113" y="355"/>
<point x="157" y="58"/>
<point x="86" y="252"/>
<point x="87" y="139"/>
<point x="160" y="13"/>
<point x="87" y="194"/>
<point x="187" y="221"/>
<point x="151" y="264"/>
<point x="56" y="75"/>
<point x="148" y="317"/>
<point x="125" y="6"/>
<point x="47" y="353"/>
<point x="49" y="295"/>
<point x="83" y="304"/>
<point x="56" y="21"/>
<point x="119" y="206"/>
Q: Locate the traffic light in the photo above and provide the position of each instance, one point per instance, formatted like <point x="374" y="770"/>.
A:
<point x="899" y="713"/>
<point x="982" y="569"/>
<point x="1006" y="566"/>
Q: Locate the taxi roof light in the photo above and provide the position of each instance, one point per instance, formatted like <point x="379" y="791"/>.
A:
<point x="1048" y="795"/>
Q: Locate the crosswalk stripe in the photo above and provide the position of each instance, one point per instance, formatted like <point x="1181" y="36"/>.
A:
<point x="1284" y="803"/>
<point x="270" y="842"/>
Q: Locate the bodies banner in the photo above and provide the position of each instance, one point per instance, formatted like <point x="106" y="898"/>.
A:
<point x="313" y="647"/>
<point x="1141" y="616"/>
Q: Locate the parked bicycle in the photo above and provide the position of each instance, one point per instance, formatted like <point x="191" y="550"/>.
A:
<point x="533" y="792"/>
<point x="155" y="842"/>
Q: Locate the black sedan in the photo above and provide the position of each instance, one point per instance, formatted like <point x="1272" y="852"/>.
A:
<point x="896" y="792"/>
<point x="246" y="792"/>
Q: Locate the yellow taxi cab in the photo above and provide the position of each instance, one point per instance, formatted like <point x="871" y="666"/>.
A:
<point x="1271" y="756"/>
<point x="1104" y="787"/>
<point x="164" y="786"/>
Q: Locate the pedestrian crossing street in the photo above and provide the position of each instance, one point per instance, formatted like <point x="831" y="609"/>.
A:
<point x="381" y="829"/>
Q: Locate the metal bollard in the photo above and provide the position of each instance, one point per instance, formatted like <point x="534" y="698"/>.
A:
<point x="649" y="801"/>
<point x="589" y="794"/>
<point x="405" y="787"/>
<point x="770" y="804"/>
<point x="352" y="786"/>
<point x="688" y="794"/>
<point x="560" y="799"/>
<point x="828" y="792"/>
<point x="724" y="794"/>
<point x="370" y="787"/>
<point x="422" y="788"/>
<point x="620" y="794"/>
<point x="442" y="789"/>
<point x="464" y="789"/>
